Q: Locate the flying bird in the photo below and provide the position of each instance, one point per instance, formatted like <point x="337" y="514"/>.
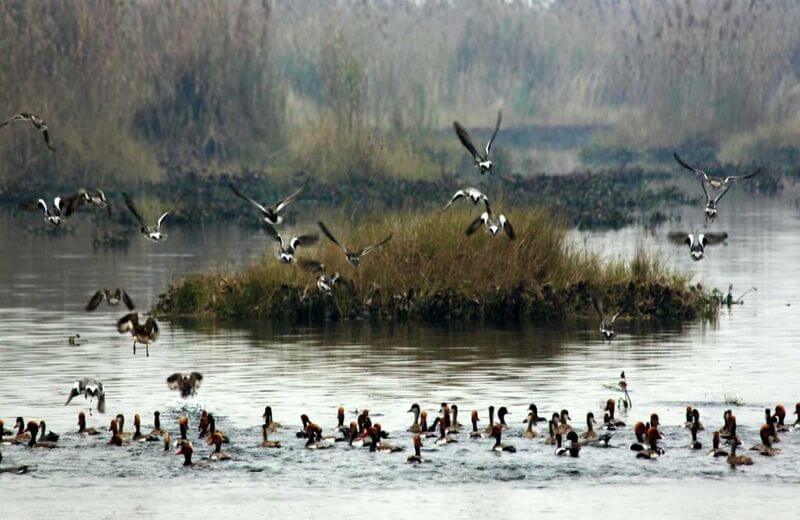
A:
<point x="271" y="215"/>
<point x="473" y="194"/>
<point x="96" y="198"/>
<point x="325" y="283"/>
<point x="715" y="183"/>
<point x="286" y="251"/>
<point x="90" y="389"/>
<point x="697" y="243"/>
<point x="482" y="162"/>
<point x="149" y="233"/>
<point x="112" y="299"/>
<point x="493" y="227"/>
<point x="353" y="256"/>
<point x="58" y="212"/>
<point x="142" y="333"/>
<point x="37" y="122"/>
<point x="187" y="384"/>
<point x="607" y="323"/>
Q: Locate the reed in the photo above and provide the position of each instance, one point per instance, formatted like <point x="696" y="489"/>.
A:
<point x="432" y="271"/>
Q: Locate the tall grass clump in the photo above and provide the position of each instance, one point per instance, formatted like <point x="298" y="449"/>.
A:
<point x="431" y="270"/>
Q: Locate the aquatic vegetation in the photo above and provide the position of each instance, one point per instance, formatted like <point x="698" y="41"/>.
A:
<point x="431" y="271"/>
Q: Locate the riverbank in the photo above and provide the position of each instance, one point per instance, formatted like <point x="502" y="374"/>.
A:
<point x="432" y="271"/>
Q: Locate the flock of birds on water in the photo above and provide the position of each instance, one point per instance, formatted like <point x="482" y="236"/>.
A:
<point x="445" y="428"/>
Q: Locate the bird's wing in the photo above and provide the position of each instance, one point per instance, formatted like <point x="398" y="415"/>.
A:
<point x="273" y="233"/>
<point x="127" y="301"/>
<point x="458" y="195"/>
<point x="598" y="306"/>
<point x="101" y="401"/>
<point x="689" y="167"/>
<point x="70" y="204"/>
<point x="714" y="238"/>
<point x="367" y="250"/>
<point x="719" y="197"/>
<point x="47" y="142"/>
<point x="304" y="240"/>
<point x="245" y="197"/>
<point x="287" y="200"/>
<point x="172" y="381"/>
<point x="705" y="191"/>
<point x="312" y="266"/>
<point x="132" y="208"/>
<point x="679" y="237"/>
<point x="732" y="178"/>
<point x="151" y="326"/>
<point x="465" y="139"/>
<point x="496" y="128"/>
<point x="622" y="310"/>
<point x="15" y="117"/>
<point x="475" y="225"/>
<point x="95" y="302"/>
<point x="125" y="323"/>
<point x="196" y="378"/>
<point x="331" y="237"/>
<point x="161" y="219"/>
<point x="41" y="204"/>
<point x="506" y="225"/>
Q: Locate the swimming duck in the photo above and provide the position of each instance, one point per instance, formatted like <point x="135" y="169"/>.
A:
<point x="563" y="425"/>
<point x="325" y="283"/>
<point x="303" y="432"/>
<point x="489" y="430"/>
<point x="46" y="435"/>
<point x="212" y="429"/>
<point x="697" y="243"/>
<point x="186" y="384"/>
<point x="444" y="435"/>
<point x="640" y="430"/>
<point x="551" y="429"/>
<point x="426" y="431"/>
<point x="153" y="234"/>
<point x="217" y="439"/>
<point x="22" y="435"/>
<point x="353" y="256"/>
<point x="415" y="427"/>
<point x="725" y="431"/>
<point x="590" y="433"/>
<point x="138" y="436"/>
<point x="455" y="426"/>
<point x="530" y="432"/>
<point x="315" y="442"/>
<point x="482" y="162"/>
<point x="186" y="449"/>
<point x="780" y="414"/>
<point x="35" y="121"/>
<point x="611" y="408"/>
<point x="689" y="418"/>
<point x="271" y="424"/>
<point x="183" y="428"/>
<point x="142" y="333"/>
<point x="716" y="451"/>
<point x="287" y="250"/>
<point x="265" y="442"/>
<point x="202" y="424"/>
<point x="416" y="458"/>
<point x="695" y="444"/>
<point x="696" y="420"/>
<point x="622" y="384"/>
<point x="270" y="215"/>
<point x="17" y="470"/>
<point x="75" y="340"/>
<point x="765" y="446"/>
<point x="590" y="437"/>
<point x="3" y="432"/>
<point x="33" y="429"/>
<point x="715" y="183"/>
<point x="167" y="441"/>
<point x="560" y="450"/>
<point x="472" y="194"/>
<point x="111" y="298"/>
<point x="340" y="426"/>
<point x="90" y="389"/>
<point x="156" y="433"/>
<point x="493" y="227"/>
<point x="653" y="451"/>
<point x="497" y="433"/>
<point x="121" y="428"/>
<point x="534" y="411"/>
<point x="738" y="460"/>
<point x="606" y="323"/>
<point x="501" y="417"/>
<point x="574" y="449"/>
<point x="380" y="445"/>
<point x="354" y="438"/>
<point x="475" y="434"/>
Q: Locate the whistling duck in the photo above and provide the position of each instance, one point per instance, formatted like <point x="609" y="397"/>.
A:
<point x="771" y="421"/>
<point x="695" y="444"/>
<point x="689" y="418"/>
<point x="96" y="198"/>
<point x="607" y="323"/>
<point x="340" y="426"/>
<point x="497" y="432"/>
<point x="265" y="442"/>
<point x="725" y="431"/>
<point x="90" y="389"/>
<point x="202" y="424"/>
<point x="574" y="444"/>
<point x="35" y="121"/>
<point x="217" y="439"/>
<point x="491" y="225"/>
<point x="353" y="256"/>
<point x="738" y="460"/>
<point x="590" y="436"/>
<point x="113" y="299"/>
<point x="552" y="427"/>
<point x="444" y="435"/>
<point x="489" y="430"/>
<point x="138" y="436"/>
<point x="153" y="234"/>
<point x="560" y="450"/>
<point x="716" y="451"/>
<point x="697" y="243"/>
<point x="416" y="458"/>
<point x="167" y="441"/>
<point x="156" y="432"/>
<point x="380" y="445"/>
<point x="22" y="435"/>
<point x="270" y="214"/>
<point x="121" y="428"/>
<point x="325" y="283"/>
<point x="315" y="442"/>
<point x="472" y="194"/>
<point x="287" y="249"/>
<point x="563" y="426"/>
<point x="17" y="470"/>
<point x="530" y="432"/>
<point x="141" y="333"/>
<point x="696" y="420"/>
<point x="186" y="384"/>
<point x="33" y="429"/>
<point x="212" y="428"/>
<point x="653" y="451"/>
<point x="534" y="411"/>
<point x="482" y="162"/>
<point x="455" y="426"/>
<point x="271" y="425"/>
<point x="355" y="439"/>
<point x="3" y="432"/>
<point x="186" y="449"/>
<point x="611" y="408"/>
<point x="46" y="435"/>
<point x="640" y="430"/>
<point x="475" y="434"/>
<point x="303" y="432"/>
<point x="426" y="431"/>
<point x="765" y="447"/>
<point x="780" y="413"/>
<point x="183" y="428"/>
<point x="415" y="427"/>
<point x="501" y="417"/>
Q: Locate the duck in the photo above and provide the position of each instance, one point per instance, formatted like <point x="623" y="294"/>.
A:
<point x="639" y="430"/>
<point x="501" y="417"/>
<point x="138" y="436"/>
<point x="415" y="427"/>
<point x="22" y="435"/>
<point x="271" y="424"/>
<point x="696" y="420"/>
<point x="697" y="242"/>
<point x="560" y="450"/>
<point x="425" y="431"/>
<point x="725" y="431"/>
<point x="689" y="418"/>
<point x="473" y="194"/>
<point x="95" y="198"/>
<point x="455" y="426"/>
<point x="716" y="451"/>
<point x="733" y="438"/>
<point x="497" y="432"/>
<point x="75" y="340"/>
<point x="37" y="122"/>
<point x="212" y="429"/>
<point x="607" y="323"/>
<point x="271" y="215"/>
<point x="380" y="445"/>
<point x="56" y="214"/>
<point x="16" y="470"/>
<point x="186" y="384"/>
<point x="551" y="430"/>
<point x="444" y="435"/>
<point x="183" y="428"/>
<point x="530" y="432"/>
<point x="156" y="433"/>
<point x="354" y="438"/>
<point x="167" y="439"/>
<point x="611" y="409"/>
<point x="695" y="444"/>
<point x="217" y="439"/>
<point x="489" y="430"/>
<point x="563" y="425"/>
<point x="315" y="441"/>
<point x="4" y="432"/>
<point x="33" y="429"/>
<point x="574" y="449"/>
<point x="590" y="433"/>
<point x="90" y="389"/>
<point x="353" y="256"/>
<point x="145" y="334"/>
<point x="121" y="428"/>
<point x="738" y="460"/>
<point x="475" y="433"/>
<point x="202" y="424"/>
<point x="287" y="250"/>
<point x="765" y="446"/>
<point x="653" y="451"/>
<point x="46" y="435"/>
<point x="416" y="458"/>
<point x="265" y="442"/>
<point x="715" y="183"/>
<point x="491" y="225"/>
<point x="340" y="426"/>
<point x="771" y="421"/>
<point x="186" y="449"/>
<point x="153" y="234"/>
<point x="325" y="283"/>
<point x="111" y="298"/>
<point x="625" y="400"/>
<point x="482" y="162"/>
<point x="303" y="431"/>
<point x="780" y="414"/>
<point x="534" y="411"/>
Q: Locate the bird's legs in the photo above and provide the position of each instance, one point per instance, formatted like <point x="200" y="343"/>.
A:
<point x="134" y="347"/>
<point x="147" y="349"/>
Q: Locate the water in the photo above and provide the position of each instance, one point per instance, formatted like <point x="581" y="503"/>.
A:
<point x="748" y="355"/>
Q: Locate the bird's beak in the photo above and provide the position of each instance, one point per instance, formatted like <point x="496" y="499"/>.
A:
<point x="72" y="394"/>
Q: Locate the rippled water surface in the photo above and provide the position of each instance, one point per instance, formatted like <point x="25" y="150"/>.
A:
<point x="749" y="356"/>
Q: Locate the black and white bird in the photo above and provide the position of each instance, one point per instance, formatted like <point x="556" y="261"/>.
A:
<point x="271" y="215"/>
<point x="697" y="242"/>
<point x="474" y="194"/>
<point x="144" y="333"/>
<point x="151" y="233"/>
<point x="325" y="283"/>
<point x="186" y="384"/>
<point x="353" y="256"/>
<point x="95" y="198"/>
<point x="607" y="323"/>
<point x="711" y="208"/>
<point x="287" y="250"/>
<point x="493" y="227"/>
<point x="55" y="215"/>
<point x="112" y="298"/>
<point x="37" y="122"/>
<point x="715" y="183"/>
<point x="90" y="389"/>
<point x="482" y="162"/>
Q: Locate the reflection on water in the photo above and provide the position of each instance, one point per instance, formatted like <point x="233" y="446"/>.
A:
<point x="748" y="354"/>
